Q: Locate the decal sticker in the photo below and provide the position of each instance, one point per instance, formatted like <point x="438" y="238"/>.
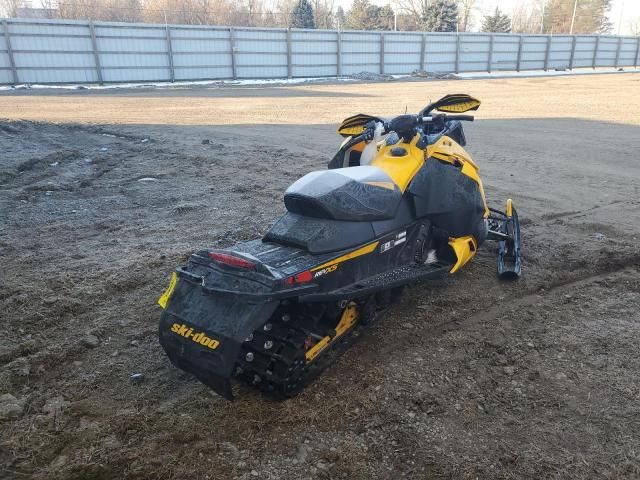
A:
<point x="324" y="271"/>
<point x="399" y="239"/>
<point x="200" y="338"/>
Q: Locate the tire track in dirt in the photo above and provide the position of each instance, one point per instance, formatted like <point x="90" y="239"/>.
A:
<point x="525" y="298"/>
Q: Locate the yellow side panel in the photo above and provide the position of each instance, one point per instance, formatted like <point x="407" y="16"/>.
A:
<point x="400" y="169"/>
<point x="445" y="146"/>
<point x="164" y="298"/>
<point x="464" y="248"/>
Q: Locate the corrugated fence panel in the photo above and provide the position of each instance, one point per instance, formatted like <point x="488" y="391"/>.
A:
<point x="440" y="52"/>
<point x="534" y="49"/>
<point x="583" y="55"/>
<point x="201" y="53"/>
<point x="402" y="53"/>
<point x="261" y="53"/>
<point x="133" y="53"/>
<point x="474" y="52"/>
<point x="505" y="52"/>
<point x="560" y="52"/>
<point x="53" y="53"/>
<point x="607" y="48"/>
<point x="5" y="64"/>
<point x="360" y="52"/>
<point x="314" y="53"/>
<point x="67" y="51"/>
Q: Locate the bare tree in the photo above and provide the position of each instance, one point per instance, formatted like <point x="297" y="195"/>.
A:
<point x="527" y="18"/>
<point x="634" y="27"/>
<point x="283" y="9"/>
<point x="323" y="13"/>
<point x="465" y="8"/>
<point x="8" y="8"/>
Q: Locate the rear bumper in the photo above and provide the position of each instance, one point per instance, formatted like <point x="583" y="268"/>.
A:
<point x="214" y="368"/>
<point x="202" y="332"/>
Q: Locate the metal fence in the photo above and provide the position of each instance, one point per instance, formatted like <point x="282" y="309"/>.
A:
<point x="56" y="51"/>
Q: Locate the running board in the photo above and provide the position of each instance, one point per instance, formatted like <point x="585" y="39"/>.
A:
<point x="383" y="281"/>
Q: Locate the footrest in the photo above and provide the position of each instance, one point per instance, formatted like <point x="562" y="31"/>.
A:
<point x="383" y="281"/>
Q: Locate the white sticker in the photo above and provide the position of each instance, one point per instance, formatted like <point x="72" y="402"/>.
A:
<point x="400" y="239"/>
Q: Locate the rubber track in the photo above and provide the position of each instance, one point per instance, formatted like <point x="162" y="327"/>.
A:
<point x="282" y="371"/>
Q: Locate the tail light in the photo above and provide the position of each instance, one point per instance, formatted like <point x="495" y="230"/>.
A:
<point x="302" y="277"/>
<point x="232" y="260"/>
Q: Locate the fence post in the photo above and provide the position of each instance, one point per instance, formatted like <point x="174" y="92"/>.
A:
<point x="595" y="52"/>
<point x="637" y="53"/>
<point x="12" y="62"/>
<point x="232" y="51"/>
<point x="423" y="49"/>
<point x="546" y="53"/>
<point x="519" y="54"/>
<point x="339" y="53"/>
<point x="618" y="51"/>
<point x="573" y="52"/>
<point x="170" y="53"/>
<point x="457" y="53"/>
<point x="96" y="55"/>
<point x="382" y="53"/>
<point x="490" y="56"/>
<point x="289" y="66"/>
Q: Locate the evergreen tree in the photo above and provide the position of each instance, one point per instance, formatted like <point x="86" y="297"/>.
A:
<point x="496" y="23"/>
<point x="441" y="16"/>
<point x="340" y="18"/>
<point x="591" y="16"/>
<point x="302" y="15"/>
<point x="363" y="15"/>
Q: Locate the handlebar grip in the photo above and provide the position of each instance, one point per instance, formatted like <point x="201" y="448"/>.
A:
<point x="464" y="118"/>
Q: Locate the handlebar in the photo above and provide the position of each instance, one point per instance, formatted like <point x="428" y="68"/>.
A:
<point x="403" y="123"/>
<point x="463" y="118"/>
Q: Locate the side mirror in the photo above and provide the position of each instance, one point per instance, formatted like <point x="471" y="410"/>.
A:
<point x="453" y="103"/>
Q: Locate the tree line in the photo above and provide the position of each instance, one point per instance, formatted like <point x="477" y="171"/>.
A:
<point x="530" y="16"/>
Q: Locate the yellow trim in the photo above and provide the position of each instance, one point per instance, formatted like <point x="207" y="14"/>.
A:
<point x="314" y="351"/>
<point x="387" y="185"/>
<point x="465" y="248"/>
<point x="164" y="298"/>
<point x="400" y="169"/>
<point x="356" y="253"/>
<point x="460" y="107"/>
<point x="509" y="210"/>
<point x="357" y="130"/>
<point x="348" y="319"/>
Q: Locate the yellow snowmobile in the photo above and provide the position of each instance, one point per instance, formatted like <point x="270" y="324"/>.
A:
<point x="401" y="202"/>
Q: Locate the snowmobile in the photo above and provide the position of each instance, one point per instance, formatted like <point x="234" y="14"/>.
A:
<point x="401" y="202"/>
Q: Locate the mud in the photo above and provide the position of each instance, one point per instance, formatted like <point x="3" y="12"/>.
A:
<point x="103" y="194"/>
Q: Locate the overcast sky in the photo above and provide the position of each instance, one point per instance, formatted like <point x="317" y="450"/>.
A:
<point x="629" y="8"/>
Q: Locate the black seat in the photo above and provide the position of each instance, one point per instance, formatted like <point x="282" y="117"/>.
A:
<point x="323" y="235"/>
<point x="357" y="194"/>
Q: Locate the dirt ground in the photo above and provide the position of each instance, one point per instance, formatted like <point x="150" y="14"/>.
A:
<point x="103" y="193"/>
